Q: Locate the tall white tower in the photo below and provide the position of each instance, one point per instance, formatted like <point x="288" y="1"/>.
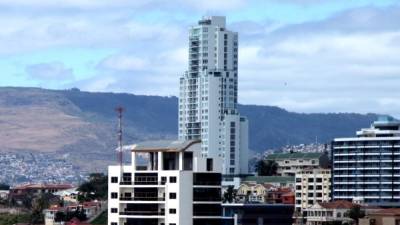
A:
<point x="209" y="93"/>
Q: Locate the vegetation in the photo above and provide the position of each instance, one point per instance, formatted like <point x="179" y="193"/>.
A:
<point x="229" y="195"/>
<point x="95" y="188"/>
<point x="356" y="213"/>
<point x="101" y="219"/>
<point x="10" y="219"/>
<point x="266" y="168"/>
<point x="79" y="213"/>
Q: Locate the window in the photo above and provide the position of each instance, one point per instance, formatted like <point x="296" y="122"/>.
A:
<point x="114" y="210"/>
<point x="114" y="223"/>
<point x="172" y="211"/>
<point x="172" y="223"/>
<point x="172" y="179"/>
<point x="163" y="180"/>
<point x="172" y="195"/>
<point x="209" y="164"/>
<point x="114" y="179"/>
<point x="114" y="195"/>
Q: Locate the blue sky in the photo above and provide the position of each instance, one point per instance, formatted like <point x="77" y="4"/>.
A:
<point x="302" y="55"/>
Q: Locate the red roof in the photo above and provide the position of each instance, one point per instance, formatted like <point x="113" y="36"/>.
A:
<point x="391" y="212"/>
<point x="339" y="204"/>
<point x="43" y="186"/>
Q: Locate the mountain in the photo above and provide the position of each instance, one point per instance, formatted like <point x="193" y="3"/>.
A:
<point x="82" y="125"/>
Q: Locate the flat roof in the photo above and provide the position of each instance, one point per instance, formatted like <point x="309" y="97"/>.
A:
<point x="163" y="145"/>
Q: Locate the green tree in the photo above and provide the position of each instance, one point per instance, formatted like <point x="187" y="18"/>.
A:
<point x="355" y="213"/>
<point x="39" y="204"/>
<point x="94" y="188"/>
<point x="266" y="167"/>
<point x="229" y="194"/>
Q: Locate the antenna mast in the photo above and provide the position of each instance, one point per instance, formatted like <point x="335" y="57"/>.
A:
<point x="120" y="111"/>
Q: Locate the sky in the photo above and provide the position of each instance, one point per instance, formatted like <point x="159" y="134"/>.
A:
<point x="301" y="55"/>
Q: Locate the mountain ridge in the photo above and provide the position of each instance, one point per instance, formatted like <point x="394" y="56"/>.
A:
<point x="83" y="124"/>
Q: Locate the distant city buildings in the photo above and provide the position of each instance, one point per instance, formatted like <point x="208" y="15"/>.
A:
<point x="368" y="166"/>
<point x="177" y="185"/>
<point x="208" y="99"/>
<point x="24" y="168"/>
<point x="289" y="164"/>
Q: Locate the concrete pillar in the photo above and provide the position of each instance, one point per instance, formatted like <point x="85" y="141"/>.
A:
<point x="160" y="159"/>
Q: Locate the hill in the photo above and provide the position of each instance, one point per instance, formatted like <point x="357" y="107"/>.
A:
<point x="82" y="125"/>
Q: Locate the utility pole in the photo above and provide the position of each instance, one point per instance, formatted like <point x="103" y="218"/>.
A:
<point x="120" y="111"/>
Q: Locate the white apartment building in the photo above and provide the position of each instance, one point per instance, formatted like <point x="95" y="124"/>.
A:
<point x="368" y="166"/>
<point x="312" y="186"/>
<point x="208" y="96"/>
<point x="168" y="183"/>
<point x="289" y="164"/>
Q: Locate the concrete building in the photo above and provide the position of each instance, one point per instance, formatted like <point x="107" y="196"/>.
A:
<point x="208" y="99"/>
<point x="368" y="166"/>
<point x="312" y="186"/>
<point x="382" y="217"/>
<point x="289" y="164"/>
<point x="259" y="214"/>
<point x="326" y="213"/>
<point x="168" y="183"/>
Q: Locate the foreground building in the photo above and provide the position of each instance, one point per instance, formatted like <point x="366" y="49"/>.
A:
<point x="289" y="164"/>
<point x="208" y="99"/>
<point x="168" y="183"/>
<point x="368" y="166"/>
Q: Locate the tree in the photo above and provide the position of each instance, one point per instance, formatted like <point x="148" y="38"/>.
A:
<point x="39" y="204"/>
<point x="266" y="168"/>
<point x="355" y="213"/>
<point x="94" y="188"/>
<point x="229" y="194"/>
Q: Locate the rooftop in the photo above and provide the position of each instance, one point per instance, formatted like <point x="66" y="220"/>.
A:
<point x="339" y="204"/>
<point x="43" y="186"/>
<point x="295" y="155"/>
<point x="163" y="145"/>
<point x="268" y="179"/>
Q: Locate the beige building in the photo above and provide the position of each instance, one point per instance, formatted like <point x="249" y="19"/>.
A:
<point x="382" y="217"/>
<point x="312" y="186"/>
<point x="289" y="164"/>
<point x="251" y="192"/>
<point x="325" y="213"/>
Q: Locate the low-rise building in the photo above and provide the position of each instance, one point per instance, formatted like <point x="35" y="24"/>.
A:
<point x="291" y="163"/>
<point x="276" y="181"/>
<point x="389" y="216"/>
<point x="90" y="209"/>
<point x="252" y="192"/>
<point x="324" y="213"/>
<point x="312" y="186"/>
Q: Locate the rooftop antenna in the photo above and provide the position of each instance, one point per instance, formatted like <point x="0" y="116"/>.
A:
<point x="120" y="111"/>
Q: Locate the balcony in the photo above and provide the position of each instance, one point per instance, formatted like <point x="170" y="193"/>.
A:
<point x="142" y="198"/>
<point x="142" y="213"/>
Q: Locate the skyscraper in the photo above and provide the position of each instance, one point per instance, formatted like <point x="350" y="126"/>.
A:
<point x="208" y="95"/>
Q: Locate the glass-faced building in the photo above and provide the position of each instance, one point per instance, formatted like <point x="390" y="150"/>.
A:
<point x="367" y="167"/>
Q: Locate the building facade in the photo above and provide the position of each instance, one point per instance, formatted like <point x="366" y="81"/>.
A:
<point x="326" y="213"/>
<point x="368" y="166"/>
<point x="208" y="96"/>
<point x="168" y="183"/>
<point x="312" y="186"/>
<point x="289" y="164"/>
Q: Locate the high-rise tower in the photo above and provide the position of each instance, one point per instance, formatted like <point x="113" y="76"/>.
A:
<point x="209" y="93"/>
